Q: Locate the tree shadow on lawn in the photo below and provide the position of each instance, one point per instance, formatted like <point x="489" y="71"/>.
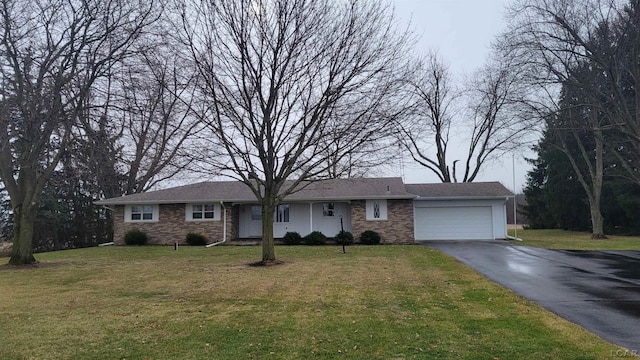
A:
<point x="37" y="265"/>
<point x="267" y="263"/>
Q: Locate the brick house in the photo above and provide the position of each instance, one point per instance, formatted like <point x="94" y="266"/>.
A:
<point x="227" y="210"/>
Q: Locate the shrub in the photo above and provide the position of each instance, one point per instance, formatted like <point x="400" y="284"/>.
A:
<point x="196" y="239"/>
<point x="344" y="238"/>
<point x="370" y="237"/>
<point x="315" y="238"/>
<point x="136" y="237"/>
<point x="292" y="238"/>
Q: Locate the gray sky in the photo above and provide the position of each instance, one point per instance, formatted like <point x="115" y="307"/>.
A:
<point x="461" y="31"/>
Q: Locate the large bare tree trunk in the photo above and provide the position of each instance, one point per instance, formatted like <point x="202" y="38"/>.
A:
<point x="590" y="179"/>
<point x="23" y="219"/>
<point x="596" y="192"/>
<point x="597" y="220"/>
<point x="268" y="248"/>
<point x="24" y="195"/>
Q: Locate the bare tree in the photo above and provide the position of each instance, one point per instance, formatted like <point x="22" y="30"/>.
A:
<point x="285" y="81"/>
<point x="485" y="118"/>
<point x="499" y="122"/>
<point x="553" y="43"/>
<point x="366" y="161"/>
<point x="139" y="126"/>
<point x="577" y="129"/>
<point x="158" y="125"/>
<point x="623" y="70"/>
<point x="51" y="53"/>
<point x="431" y="118"/>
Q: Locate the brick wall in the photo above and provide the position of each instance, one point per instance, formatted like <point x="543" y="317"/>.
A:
<point x="397" y="229"/>
<point x="172" y="226"/>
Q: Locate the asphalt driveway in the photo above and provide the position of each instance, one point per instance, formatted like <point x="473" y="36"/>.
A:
<point x="599" y="290"/>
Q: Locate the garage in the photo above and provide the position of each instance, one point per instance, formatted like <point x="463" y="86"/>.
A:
<point x="459" y="211"/>
<point x="453" y="223"/>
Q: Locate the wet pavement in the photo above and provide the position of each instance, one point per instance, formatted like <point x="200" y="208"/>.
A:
<point x="598" y="290"/>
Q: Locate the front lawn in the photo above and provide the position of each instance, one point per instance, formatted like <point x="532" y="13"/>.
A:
<point x="573" y="240"/>
<point x="375" y="302"/>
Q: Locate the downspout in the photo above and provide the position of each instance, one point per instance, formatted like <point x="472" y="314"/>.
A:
<point x="224" y="227"/>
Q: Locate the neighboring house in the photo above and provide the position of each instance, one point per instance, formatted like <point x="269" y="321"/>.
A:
<point x="228" y="210"/>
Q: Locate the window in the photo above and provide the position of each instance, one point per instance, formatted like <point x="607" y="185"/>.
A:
<point x="282" y="213"/>
<point x="256" y="212"/>
<point x="376" y="209"/>
<point x="202" y="212"/>
<point x="328" y="209"/>
<point x="205" y="211"/>
<point x="141" y="213"/>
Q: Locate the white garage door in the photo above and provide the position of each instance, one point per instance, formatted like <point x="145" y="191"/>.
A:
<point x="453" y="223"/>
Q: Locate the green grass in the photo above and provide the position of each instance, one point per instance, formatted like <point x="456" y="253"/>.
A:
<point x="375" y="302"/>
<point x="573" y="240"/>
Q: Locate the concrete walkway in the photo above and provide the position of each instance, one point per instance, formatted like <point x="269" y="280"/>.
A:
<point x="599" y="290"/>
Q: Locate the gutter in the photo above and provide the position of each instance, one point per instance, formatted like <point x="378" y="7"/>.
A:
<point x="224" y="227"/>
<point x="513" y="238"/>
<point x="107" y="202"/>
<point x="431" y="198"/>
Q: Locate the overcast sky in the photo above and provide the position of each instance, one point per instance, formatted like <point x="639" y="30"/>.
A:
<point x="461" y="31"/>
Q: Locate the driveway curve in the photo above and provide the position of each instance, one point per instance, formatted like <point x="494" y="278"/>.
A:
<point x="598" y="290"/>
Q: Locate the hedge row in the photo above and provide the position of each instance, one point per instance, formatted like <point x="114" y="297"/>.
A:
<point x="139" y="237"/>
<point x="369" y="237"/>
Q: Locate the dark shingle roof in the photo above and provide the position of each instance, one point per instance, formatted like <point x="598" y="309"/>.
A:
<point x="335" y="189"/>
<point x="459" y="190"/>
<point x="204" y="191"/>
<point x="235" y="191"/>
